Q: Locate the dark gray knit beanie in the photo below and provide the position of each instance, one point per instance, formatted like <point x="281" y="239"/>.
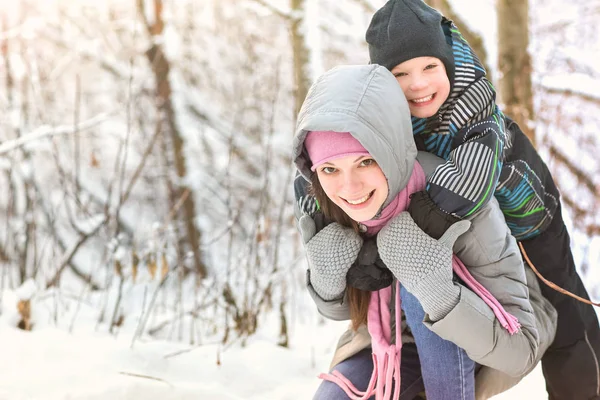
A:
<point x="405" y="29"/>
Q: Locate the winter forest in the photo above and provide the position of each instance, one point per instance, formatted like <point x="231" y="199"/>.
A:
<point x="148" y="236"/>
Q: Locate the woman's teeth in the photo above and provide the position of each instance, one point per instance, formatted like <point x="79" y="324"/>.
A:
<point x="423" y="99"/>
<point x="361" y="200"/>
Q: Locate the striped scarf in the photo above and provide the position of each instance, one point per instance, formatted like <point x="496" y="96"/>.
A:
<point x="469" y="132"/>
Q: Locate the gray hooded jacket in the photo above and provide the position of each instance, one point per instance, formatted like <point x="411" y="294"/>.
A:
<point x="367" y="102"/>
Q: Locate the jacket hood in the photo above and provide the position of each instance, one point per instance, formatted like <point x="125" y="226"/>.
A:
<point x="367" y="101"/>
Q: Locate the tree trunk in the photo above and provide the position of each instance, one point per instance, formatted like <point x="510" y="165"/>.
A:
<point x="475" y="41"/>
<point x="301" y="54"/>
<point x="514" y="63"/>
<point x="161" y="69"/>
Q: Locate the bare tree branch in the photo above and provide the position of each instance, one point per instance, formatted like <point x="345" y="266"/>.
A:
<point x="140" y="167"/>
<point x="145" y="377"/>
<point x="581" y="176"/>
<point x="274" y="10"/>
<point x="112" y="66"/>
<point x="367" y="6"/>
<point x="70" y="253"/>
<point x="571" y="92"/>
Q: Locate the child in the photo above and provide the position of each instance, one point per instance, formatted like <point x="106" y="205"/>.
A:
<point x="455" y="117"/>
<point x="354" y="144"/>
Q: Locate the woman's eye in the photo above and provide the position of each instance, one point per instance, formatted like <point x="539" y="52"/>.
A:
<point x="328" y="170"/>
<point x="368" y="162"/>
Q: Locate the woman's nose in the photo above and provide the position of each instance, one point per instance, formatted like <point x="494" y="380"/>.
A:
<point x="352" y="182"/>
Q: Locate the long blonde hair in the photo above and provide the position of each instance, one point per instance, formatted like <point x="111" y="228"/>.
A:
<point x="358" y="300"/>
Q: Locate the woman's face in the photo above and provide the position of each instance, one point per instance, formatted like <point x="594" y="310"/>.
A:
<point x="356" y="184"/>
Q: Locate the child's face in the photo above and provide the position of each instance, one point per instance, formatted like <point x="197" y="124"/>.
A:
<point x="425" y="84"/>
<point x="356" y="184"/>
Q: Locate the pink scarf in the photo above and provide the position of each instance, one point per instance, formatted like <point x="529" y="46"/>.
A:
<point x="386" y="356"/>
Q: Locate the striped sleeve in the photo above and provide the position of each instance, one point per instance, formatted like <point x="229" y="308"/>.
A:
<point x="467" y="180"/>
<point x="305" y="203"/>
<point x="475" y="149"/>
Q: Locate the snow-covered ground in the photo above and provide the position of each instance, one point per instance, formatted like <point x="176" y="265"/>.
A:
<point x="54" y="365"/>
<point x="49" y="363"/>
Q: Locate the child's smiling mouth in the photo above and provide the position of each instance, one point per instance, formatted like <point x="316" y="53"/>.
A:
<point x="422" y="100"/>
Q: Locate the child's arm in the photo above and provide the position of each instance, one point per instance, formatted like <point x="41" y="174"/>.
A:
<point x="305" y="203"/>
<point x="466" y="181"/>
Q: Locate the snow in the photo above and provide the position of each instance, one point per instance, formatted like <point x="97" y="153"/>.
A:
<point x="51" y="364"/>
<point x="26" y="290"/>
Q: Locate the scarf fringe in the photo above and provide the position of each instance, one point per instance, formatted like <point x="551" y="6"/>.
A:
<point x="386" y="356"/>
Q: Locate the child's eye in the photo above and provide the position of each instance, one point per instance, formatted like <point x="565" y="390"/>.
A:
<point x="431" y="66"/>
<point x="328" y="170"/>
<point x="400" y="74"/>
<point x="368" y="162"/>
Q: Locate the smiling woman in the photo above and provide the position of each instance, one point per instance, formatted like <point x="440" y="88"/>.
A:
<point x="348" y="174"/>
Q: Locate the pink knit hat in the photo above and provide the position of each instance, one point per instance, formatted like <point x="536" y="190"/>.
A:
<point x="324" y="146"/>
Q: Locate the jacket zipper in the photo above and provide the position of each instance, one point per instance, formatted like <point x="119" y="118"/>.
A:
<point x="597" y="364"/>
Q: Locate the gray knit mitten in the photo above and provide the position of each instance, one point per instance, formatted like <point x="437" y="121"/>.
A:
<point x="422" y="264"/>
<point x="330" y="252"/>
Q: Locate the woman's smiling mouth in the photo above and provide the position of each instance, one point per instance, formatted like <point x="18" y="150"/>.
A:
<point x="361" y="200"/>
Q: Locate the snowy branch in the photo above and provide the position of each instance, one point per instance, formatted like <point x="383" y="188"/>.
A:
<point x="47" y="132"/>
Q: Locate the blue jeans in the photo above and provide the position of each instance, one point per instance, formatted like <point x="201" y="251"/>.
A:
<point x="448" y="373"/>
<point x="432" y="364"/>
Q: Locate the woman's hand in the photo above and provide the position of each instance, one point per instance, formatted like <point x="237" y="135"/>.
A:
<point x="330" y="252"/>
<point x="422" y="264"/>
